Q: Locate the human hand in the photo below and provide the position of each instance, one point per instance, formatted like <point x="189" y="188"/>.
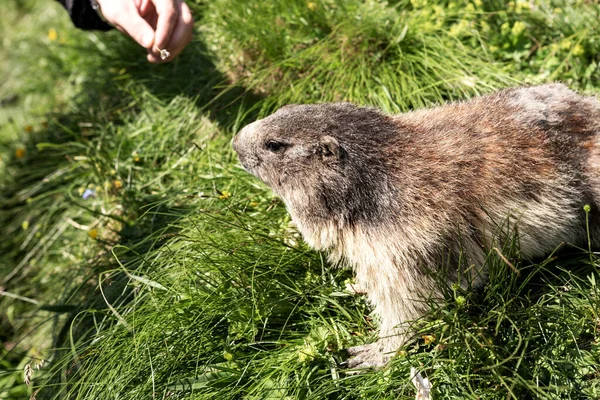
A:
<point x="154" y="24"/>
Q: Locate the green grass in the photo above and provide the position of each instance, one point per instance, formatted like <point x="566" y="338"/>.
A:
<point x="183" y="278"/>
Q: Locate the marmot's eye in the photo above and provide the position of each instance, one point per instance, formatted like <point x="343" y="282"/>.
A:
<point x="274" y="146"/>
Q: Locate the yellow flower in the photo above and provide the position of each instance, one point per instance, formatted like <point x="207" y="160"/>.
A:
<point x="225" y="194"/>
<point x="428" y="339"/>
<point x="25" y="225"/>
<point x="52" y="34"/>
<point x="566" y="44"/>
<point x="418" y="3"/>
<point x="312" y="6"/>
<point x="522" y="6"/>
<point x="578" y="50"/>
<point x="518" y="28"/>
<point x="20" y="152"/>
<point x="93" y="233"/>
<point x="136" y="157"/>
<point x="118" y="184"/>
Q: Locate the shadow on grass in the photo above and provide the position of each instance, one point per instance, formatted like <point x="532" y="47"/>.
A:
<point x="38" y="207"/>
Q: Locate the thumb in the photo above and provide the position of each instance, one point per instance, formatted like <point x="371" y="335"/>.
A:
<point x="135" y="26"/>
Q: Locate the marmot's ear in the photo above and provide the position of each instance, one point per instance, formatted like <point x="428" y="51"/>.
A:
<point x="329" y="148"/>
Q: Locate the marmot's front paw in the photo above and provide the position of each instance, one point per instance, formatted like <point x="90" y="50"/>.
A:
<point x="368" y="356"/>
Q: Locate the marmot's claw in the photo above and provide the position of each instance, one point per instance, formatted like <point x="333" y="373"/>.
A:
<point x="367" y="356"/>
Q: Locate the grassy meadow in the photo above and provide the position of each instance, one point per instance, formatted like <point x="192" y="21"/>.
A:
<point x="138" y="260"/>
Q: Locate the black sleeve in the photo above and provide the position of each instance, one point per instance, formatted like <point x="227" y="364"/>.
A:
<point x="84" y="16"/>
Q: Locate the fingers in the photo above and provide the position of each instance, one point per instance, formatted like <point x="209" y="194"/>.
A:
<point x="180" y="33"/>
<point x="126" y="17"/>
<point x="168" y="15"/>
<point x="146" y="8"/>
<point x="154" y="24"/>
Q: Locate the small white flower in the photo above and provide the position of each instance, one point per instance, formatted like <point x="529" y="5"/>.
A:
<point x="27" y="374"/>
<point x="422" y="384"/>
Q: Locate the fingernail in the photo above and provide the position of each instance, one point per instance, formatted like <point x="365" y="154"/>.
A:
<point x="147" y="40"/>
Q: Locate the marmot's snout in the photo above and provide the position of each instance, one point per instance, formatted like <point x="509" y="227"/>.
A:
<point x="245" y="145"/>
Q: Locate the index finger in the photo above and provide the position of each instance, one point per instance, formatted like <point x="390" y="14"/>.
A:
<point x="167" y="19"/>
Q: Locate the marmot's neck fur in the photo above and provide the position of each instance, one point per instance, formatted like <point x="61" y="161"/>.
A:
<point x="397" y="197"/>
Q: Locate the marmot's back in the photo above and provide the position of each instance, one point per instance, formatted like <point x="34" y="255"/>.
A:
<point x="531" y="153"/>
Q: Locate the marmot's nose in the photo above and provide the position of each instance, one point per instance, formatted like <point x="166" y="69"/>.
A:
<point x="245" y="138"/>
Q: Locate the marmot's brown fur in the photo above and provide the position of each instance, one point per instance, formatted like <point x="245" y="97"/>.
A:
<point x="395" y="196"/>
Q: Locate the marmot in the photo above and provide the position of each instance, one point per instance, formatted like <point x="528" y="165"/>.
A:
<point x="395" y="196"/>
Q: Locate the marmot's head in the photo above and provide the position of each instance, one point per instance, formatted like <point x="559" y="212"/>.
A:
<point x="326" y="161"/>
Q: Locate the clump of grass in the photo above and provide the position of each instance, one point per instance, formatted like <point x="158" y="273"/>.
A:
<point x="395" y="56"/>
<point x="229" y="310"/>
<point x="546" y="40"/>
